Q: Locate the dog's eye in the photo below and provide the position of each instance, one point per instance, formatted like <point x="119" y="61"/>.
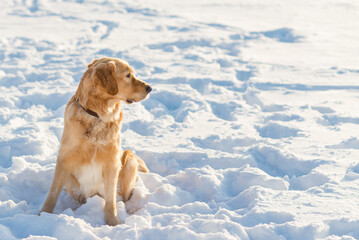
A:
<point x="128" y="75"/>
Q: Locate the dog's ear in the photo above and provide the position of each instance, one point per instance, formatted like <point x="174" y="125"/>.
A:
<point x="93" y="62"/>
<point x="105" y="74"/>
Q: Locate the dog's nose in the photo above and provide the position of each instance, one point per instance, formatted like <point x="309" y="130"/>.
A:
<point x="148" y="89"/>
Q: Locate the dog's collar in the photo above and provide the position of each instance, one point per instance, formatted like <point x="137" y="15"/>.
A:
<point x="89" y="111"/>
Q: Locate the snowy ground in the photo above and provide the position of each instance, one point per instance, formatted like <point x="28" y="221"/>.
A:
<point x="251" y="131"/>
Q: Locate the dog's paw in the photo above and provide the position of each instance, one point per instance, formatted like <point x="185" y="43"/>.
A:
<point x="131" y="207"/>
<point x="81" y="199"/>
<point x="47" y="209"/>
<point x="112" y="221"/>
<point x="138" y="198"/>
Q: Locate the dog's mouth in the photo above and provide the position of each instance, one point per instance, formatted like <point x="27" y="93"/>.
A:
<point x="136" y="99"/>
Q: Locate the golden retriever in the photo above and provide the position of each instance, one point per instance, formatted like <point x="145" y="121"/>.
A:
<point x="90" y="159"/>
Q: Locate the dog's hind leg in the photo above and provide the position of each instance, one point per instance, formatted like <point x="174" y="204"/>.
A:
<point x="128" y="175"/>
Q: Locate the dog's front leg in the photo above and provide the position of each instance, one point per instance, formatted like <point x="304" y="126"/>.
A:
<point x="110" y="181"/>
<point x="58" y="182"/>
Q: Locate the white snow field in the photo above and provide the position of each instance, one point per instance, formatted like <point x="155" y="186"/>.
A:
<point x="251" y="131"/>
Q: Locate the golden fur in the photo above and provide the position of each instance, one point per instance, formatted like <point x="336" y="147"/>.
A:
<point x="90" y="159"/>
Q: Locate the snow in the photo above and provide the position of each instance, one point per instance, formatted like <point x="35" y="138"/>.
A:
<point x="250" y="131"/>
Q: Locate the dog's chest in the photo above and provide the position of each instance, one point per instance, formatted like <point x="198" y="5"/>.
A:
<point x="90" y="178"/>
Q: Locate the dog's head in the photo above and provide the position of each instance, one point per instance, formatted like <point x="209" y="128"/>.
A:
<point x="116" y="78"/>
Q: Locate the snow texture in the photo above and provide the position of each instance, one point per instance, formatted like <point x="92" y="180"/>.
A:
<point x="250" y="132"/>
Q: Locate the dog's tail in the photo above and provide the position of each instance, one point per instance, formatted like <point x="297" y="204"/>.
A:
<point x="142" y="165"/>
